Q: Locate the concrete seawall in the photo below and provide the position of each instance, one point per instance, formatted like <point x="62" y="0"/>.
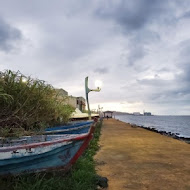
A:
<point x="138" y="159"/>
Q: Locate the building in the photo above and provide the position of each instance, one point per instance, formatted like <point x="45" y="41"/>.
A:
<point x="147" y="114"/>
<point x="136" y="113"/>
<point x="61" y="92"/>
<point x="81" y="103"/>
<point x="108" y="114"/>
<point x="76" y="102"/>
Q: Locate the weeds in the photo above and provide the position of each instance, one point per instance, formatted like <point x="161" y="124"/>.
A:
<point x="29" y="103"/>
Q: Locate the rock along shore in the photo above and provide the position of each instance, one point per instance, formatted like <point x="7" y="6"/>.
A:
<point x="169" y="134"/>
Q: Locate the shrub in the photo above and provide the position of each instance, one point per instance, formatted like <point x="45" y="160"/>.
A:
<point x="29" y="103"/>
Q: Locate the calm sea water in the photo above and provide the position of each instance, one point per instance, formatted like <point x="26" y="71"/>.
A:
<point x="174" y="124"/>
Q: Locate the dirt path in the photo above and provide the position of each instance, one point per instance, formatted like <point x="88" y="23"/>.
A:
<point x="138" y="159"/>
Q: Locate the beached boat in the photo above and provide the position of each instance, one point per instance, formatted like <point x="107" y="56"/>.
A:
<point x="78" y="115"/>
<point x="42" y="152"/>
<point x="71" y="128"/>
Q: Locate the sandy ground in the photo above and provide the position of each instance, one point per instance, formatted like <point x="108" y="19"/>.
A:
<point x="138" y="159"/>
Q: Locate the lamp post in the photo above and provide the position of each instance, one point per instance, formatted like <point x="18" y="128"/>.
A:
<point x="87" y="90"/>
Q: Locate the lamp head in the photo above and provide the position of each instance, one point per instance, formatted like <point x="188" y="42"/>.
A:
<point x="98" y="84"/>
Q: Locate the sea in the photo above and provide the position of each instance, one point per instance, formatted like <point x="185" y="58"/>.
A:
<point x="179" y="125"/>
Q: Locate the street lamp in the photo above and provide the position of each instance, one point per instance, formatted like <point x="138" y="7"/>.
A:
<point x="98" y="84"/>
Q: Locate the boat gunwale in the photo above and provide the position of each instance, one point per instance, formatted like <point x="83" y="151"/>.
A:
<point x="65" y="130"/>
<point x="70" y="125"/>
<point x="40" y="144"/>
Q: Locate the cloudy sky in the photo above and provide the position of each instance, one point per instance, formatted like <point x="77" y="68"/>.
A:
<point x="139" y="49"/>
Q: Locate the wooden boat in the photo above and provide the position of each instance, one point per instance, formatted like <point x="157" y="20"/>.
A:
<point x="42" y="152"/>
<point x="71" y="128"/>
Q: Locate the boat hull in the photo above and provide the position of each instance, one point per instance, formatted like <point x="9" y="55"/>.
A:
<point x="45" y="156"/>
<point x="75" y="128"/>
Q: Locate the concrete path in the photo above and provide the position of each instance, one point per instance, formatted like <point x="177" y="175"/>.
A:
<point x="138" y="159"/>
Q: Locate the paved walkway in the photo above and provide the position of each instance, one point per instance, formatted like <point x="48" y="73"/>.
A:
<point x="138" y="159"/>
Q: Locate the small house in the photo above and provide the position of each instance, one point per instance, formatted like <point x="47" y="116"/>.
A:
<point x="108" y="114"/>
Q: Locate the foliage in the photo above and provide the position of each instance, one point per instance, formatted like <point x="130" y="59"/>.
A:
<point x="81" y="177"/>
<point x="29" y="103"/>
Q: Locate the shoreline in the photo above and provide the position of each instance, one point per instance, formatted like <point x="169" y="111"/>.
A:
<point x="165" y="133"/>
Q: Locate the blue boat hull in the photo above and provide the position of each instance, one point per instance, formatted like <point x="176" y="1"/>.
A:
<point x="59" y="151"/>
<point x="73" y="128"/>
<point x="58" y="157"/>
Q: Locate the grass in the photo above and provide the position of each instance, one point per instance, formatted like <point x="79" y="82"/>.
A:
<point x="81" y="177"/>
<point x="29" y="104"/>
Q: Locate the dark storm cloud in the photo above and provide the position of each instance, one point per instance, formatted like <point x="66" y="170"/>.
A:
<point x="101" y="70"/>
<point x="185" y="76"/>
<point x="186" y="15"/>
<point x="153" y="82"/>
<point x="133" y="42"/>
<point x="8" y="36"/>
<point x="136" y="53"/>
<point x="168" y="98"/>
<point x="175" y="90"/>
<point x="184" y="48"/>
<point x="137" y="47"/>
<point x="184" y="65"/>
<point x="132" y="15"/>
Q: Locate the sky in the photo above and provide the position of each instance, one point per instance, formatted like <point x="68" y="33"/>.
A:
<point x="139" y="49"/>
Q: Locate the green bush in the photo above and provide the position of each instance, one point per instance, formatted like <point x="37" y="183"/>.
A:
<point x="29" y="103"/>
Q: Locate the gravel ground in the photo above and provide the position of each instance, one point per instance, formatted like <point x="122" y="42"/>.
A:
<point x="137" y="159"/>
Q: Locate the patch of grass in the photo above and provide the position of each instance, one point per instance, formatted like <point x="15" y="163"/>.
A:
<point x="81" y="177"/>
<point x="30" y="104"/>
